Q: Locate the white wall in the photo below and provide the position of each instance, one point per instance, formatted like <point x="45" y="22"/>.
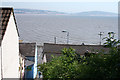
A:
<point x="44" y="59"/>
<point x="0" y="62"/>
<point x="23" y="67"/>
<point x="10" y="51"/>
<point x="35" y="64"/>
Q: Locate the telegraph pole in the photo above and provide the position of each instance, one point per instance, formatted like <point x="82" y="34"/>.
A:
<point x="67" y="37"/>
<point x="55" y="40"/>
<point x="101" y="33"/>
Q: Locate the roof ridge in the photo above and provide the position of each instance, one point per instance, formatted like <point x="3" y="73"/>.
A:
<point x="6" y="8"/>
<point x="70" y="44"/>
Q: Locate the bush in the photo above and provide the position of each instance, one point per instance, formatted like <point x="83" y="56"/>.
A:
<point x="68" y="65"/>
<point x="71" y="65"/>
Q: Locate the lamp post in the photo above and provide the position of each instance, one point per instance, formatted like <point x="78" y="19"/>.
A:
<point x="67" y="36"/>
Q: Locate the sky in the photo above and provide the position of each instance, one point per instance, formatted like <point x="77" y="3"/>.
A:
<point x="60" y="0"/>
<point x="69" y="6"/>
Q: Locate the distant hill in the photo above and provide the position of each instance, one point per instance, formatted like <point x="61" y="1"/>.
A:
<point x="34" y="11"/>
<point x="47" y="12"/>
<point x="95" y="13"/>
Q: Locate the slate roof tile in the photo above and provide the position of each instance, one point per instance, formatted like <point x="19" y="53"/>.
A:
<point x="27" y="49"/>
<point x="4" y="19"/>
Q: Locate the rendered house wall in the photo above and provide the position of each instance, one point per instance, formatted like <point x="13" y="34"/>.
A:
<point x="10" y="51"/>
<point x="0" y="63"/>
<point x="35" y="65"/>
<point x="44" y="59"/>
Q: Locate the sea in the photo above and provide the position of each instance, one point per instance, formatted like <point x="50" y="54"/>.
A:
<point x="49" y="28"/>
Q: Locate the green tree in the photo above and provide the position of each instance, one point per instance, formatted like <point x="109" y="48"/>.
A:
<point x="102" y="66"/>
<point x="71" y="65"/>
<point x="110" y="40"/>
<point x="63" y="67"/>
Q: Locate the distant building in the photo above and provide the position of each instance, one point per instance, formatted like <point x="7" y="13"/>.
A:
<point x="9" y="44"/>
<point x="56" y="49"/>
<point x="29" y="50"/>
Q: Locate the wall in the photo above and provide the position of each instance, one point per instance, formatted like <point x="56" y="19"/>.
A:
<point x="29" y="73"/>
<point x="35" y="65"/>
<point x="44" y="59"/>
<point x="48" y="56"/>
<point x="40" y="54"/>
<point x="0" y="62"/>
<point x="21" y="66"/>
<point x="10" y="51"/>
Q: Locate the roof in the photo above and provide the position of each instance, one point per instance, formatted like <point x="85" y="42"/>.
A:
<point x="27" y="49"/>
<point x="55" y="49"/>
<point x="4" y="19"/>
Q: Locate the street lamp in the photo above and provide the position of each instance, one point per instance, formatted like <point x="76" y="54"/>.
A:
<point x="67" y="35"/>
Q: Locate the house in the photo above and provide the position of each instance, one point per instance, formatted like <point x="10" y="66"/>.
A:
<point x="40" y="54"/>
<point x="9" y="44"/>
<point x="21" y="65"/>
<point x="29" y="50"/>
<point x="55" y="49"/>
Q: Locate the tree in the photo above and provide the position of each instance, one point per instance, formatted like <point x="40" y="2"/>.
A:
<point x="62" y="67"/>
<point x="110" y="41"/>
<point x="70" y="65"/>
